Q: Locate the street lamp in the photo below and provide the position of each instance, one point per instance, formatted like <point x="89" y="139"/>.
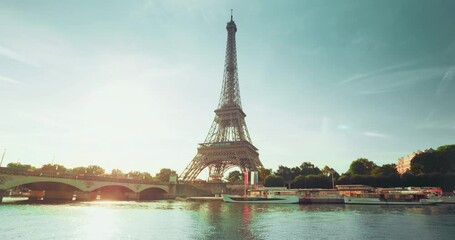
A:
<point x="3" y="156"/>
<point x="333" y="182"/>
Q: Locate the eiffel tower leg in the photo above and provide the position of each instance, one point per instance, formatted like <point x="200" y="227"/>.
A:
<point x="193" y="169"/>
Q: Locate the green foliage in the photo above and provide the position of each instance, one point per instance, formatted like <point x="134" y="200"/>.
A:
<point x="312" y="181"/>
<point x="446" y="148"/>
<point x="137" y="175"/>
<point x="445" y="181"/>
<point x="263" y="173"/>
<point x="164" y="174"/>
<point x="19" y="166"/>
<point x="95" y="170"/>
<point x="79" y="170"/>
<point x="441" y="161"/>
<point x="53" y="168"/>
<point x="117" y="173"/>
<point x="385" y="170"/>
<point x="417" y="168"/>
<point x="328" y="171"/>
<point x="307" y="168"/>
<point x="134" y="175"/>
<point x="361" y="166"/>
<point x="286" y="173"/>
<point x="90" y="170"/>
<point x="234" y="177"/>
<point x="274" y="181"/>
<point x="146" y="176"/>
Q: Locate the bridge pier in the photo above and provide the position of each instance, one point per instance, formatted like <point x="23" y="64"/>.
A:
<point x="58" y="195"/>
<point x="1" y="194"/>
<point x="172" y="190"/>
<point x="36" y="195"/>
<point x="133" y="196"/>
<point x="85" y="196"/>
<point x="113" y="195"/>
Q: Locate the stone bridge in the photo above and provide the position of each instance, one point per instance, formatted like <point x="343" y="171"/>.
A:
<point x="75" y="187"/>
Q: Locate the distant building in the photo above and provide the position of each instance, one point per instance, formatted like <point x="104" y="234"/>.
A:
<point x="404" y="163"/>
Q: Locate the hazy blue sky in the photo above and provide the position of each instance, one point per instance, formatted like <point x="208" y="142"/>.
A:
<point x="133" y="84"/>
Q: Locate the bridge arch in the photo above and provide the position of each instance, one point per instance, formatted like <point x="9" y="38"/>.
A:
<point x="35" y="181"/>
<point x="99" y="185"/>
<point x="152" y="193"/>
<point x="115" y="192"/>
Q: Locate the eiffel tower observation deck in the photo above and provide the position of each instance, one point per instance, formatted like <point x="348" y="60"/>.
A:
<point x="228" y="143"/>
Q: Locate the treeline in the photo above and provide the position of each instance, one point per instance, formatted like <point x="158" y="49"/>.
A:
<point x="429" y="169"/>
<point x="93" y="170"/>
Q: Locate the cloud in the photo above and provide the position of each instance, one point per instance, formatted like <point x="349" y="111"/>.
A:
<point x="325" y="124"/>
<point x="393" y="81"/>
<point x="17" y="56"/>
<point x="401" y="75"/>
<point x="448" y="77"/>
<point x="10" y="80"/>
<point x="437" y="125"/>
<point x="343" y="127"/>
<point x="375" y="134"/>
<point x="376" y="72"/>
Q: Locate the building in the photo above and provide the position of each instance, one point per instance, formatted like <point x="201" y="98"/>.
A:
<point x="404" y="163"/>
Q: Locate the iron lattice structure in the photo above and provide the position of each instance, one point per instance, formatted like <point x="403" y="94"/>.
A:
<point x="228" y="143"/>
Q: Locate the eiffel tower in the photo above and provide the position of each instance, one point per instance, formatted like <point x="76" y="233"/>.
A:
<point x="228" y="143"/>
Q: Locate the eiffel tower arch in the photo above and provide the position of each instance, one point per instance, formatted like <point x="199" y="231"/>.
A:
<point x="228" y="143"/>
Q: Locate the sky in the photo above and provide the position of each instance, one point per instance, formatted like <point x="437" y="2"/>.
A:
<point x="133" y="84"/>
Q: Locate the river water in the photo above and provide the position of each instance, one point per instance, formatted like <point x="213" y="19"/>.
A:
<point x="218" y="220"/>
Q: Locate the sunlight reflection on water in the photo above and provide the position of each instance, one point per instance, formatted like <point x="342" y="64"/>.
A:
<point x="218" y="220"/>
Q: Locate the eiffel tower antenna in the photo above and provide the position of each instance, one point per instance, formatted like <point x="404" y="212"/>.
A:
<point x="228" y="143"/>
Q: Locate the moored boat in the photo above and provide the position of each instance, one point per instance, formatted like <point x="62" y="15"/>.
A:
<point x="264" y="195"/>
<point x="448" y="199"/>
<point x="318" y="195"/>
<point x="397" y="198"/>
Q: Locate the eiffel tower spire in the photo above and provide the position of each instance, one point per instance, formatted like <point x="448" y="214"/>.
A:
<point x="228" y="143"/>
<point x="230" y="94"/>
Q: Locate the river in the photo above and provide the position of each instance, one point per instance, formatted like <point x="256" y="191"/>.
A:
<point x="218" y="220"/>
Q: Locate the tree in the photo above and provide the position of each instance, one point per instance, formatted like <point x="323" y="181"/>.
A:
<point x="361" y="166"/>
<point x="263" y="173"/>
<point x="234" y="176"/>
<point x="146" y="176"/>
<point x="440" y="161"/>
<point x="53" y="168"/>
<point x="446" y="148"/>
<point x="79" y="170"/>
<point x="137" y="175"/>
<point x="95" y="170"/>
<point x="117" y="173"/>
<point x="285" y="173"/>
<point x="328" y="171"/>
<point x="19" y="166"/>
<point x="274" y="181"/>
<point x="164" y="174"/>
<point x="134" y="175"/>
<point x="307" y="168"/>
<point x="385" y="170"/>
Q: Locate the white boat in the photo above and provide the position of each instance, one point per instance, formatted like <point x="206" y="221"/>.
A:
<point x="397" y="198"/>
<point x="264" y="195"/>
